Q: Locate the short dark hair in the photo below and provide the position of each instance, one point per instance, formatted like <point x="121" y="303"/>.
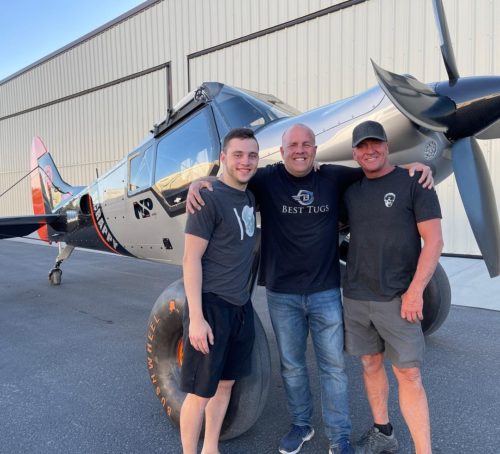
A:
<point x="238" y="133"/>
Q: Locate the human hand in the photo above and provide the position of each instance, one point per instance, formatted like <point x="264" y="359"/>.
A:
<point x="194" y="200"/>
<point x="426" y="179"/>
<point x="200" y="335"/>
<point x="412" y="304"/>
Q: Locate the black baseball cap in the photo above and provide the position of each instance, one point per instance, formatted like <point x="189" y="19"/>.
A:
<point x="368" y="130"/>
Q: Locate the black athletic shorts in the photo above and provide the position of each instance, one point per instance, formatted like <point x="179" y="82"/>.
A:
<point x="231" y="355"/>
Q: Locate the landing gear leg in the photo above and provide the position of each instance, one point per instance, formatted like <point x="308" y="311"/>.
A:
<point x="55" y="274"/>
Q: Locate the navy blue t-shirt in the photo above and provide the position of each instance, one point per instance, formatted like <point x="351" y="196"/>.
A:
<point x="300" y="226"/>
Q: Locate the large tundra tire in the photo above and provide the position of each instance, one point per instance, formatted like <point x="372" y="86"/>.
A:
<point x="437" y="301"/>
<point x="164" y="359"/>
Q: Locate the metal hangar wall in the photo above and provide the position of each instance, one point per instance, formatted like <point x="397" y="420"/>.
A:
<point x="95" y="99"/>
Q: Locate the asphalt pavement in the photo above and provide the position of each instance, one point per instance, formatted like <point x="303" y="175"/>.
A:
<point x="73" y="376"/>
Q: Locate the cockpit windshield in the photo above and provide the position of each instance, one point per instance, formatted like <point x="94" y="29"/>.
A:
<point x="242" y="108"/>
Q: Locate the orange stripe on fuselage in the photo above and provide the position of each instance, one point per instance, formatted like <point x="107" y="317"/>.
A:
<point x="37" y="150"/>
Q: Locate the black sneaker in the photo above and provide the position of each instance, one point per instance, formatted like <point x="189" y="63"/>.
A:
<point x="344" y="447"/>
<point x="293" y="440"/>
<point x="375" y="442"/>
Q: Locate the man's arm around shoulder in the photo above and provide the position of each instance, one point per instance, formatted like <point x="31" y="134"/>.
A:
<point x="200" y="332"/>
<point x="194" y="200"/>
<point x="426" y="179"/>
<point x="412" y="299"/>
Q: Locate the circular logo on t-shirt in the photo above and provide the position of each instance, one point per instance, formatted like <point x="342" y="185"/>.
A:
<point x="304" y="197"/>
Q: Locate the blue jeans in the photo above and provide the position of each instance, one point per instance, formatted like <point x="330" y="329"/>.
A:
<point x="293" y="316"/>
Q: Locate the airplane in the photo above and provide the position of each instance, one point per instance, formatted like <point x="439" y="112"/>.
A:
<point x="138" y="208"/>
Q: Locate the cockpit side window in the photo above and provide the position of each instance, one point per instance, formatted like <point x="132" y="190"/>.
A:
<point x="188" y="152"/>
<point x="141" y="170"/>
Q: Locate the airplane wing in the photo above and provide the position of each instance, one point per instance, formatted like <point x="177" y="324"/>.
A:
<point x="15" y="226"/>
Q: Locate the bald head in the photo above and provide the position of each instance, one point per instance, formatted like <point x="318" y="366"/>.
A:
<point x="298" y="127"/>
<point x="298" y="150"/>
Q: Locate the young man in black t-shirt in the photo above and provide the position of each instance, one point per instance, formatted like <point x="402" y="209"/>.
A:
<point x="387" y="272"/>
<point x="218" y="322"/>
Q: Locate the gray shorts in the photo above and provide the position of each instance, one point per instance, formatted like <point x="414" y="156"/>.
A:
<point x="376" y="327"/>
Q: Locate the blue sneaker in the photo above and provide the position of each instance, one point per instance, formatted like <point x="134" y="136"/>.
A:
<point x="343" y="447"/>
<point x="293" y="440"/>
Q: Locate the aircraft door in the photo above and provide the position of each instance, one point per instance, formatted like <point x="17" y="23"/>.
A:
<point x="158" y="181"/>
<point x="141" y="223"/>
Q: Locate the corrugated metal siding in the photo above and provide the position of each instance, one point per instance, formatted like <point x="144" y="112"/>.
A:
<point x="194" y="25"/>
<point x="307" y="65"/>
<point x="167" y="31"/>
<point x="120" y="51"/>
<point x="83" y="134"/>
<point x="328" y="58"/>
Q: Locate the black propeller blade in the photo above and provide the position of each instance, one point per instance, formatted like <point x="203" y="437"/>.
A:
<point x="476" y="191"/>
<point x="444" y="38"/>
<point x="490" y="132"/>
<point x="416" y="100"/>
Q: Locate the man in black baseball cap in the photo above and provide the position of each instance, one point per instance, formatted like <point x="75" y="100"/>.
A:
<point x="387" y="272"/>
<point x="371" y="150"/>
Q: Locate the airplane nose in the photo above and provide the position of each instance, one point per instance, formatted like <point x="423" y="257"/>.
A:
<point x="477" y="101"/>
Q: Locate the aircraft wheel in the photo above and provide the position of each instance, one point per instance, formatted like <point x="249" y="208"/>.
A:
<point x="164" y="350"/>
<point x="55" y="276"/>
<point x="437" y="301"/>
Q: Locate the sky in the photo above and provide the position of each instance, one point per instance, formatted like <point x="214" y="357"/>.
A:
<point x="33" y="29"/>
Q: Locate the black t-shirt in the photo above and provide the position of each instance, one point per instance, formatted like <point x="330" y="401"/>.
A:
<point x="385" y="245"/>
<point x="227" y="222"/>
<point x="300" y="227"/>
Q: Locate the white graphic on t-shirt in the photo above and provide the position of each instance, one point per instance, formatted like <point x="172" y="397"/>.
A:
<point x="304" y="197"/>
<point x="248" y="219"/>
<point x="389" y="199"/>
